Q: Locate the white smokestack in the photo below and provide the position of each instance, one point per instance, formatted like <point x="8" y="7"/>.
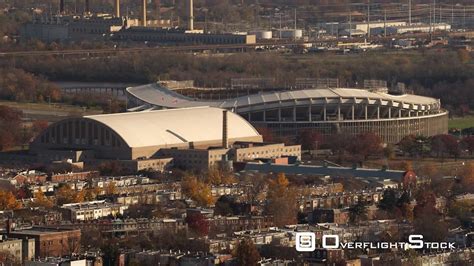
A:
<point x="225" y="136"/>
<point x="144" y="13"/>
<point x="117" y="8"/>
<point x="190" y="15"/>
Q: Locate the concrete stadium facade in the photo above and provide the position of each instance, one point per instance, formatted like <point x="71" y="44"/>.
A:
<point x="327" y="111"/>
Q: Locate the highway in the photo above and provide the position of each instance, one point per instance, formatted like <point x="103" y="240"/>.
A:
<point x="200" y="48"/>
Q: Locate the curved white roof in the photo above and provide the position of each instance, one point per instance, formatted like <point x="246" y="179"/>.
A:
<point x="175" y="126"/>
<point x="157" y="95"/>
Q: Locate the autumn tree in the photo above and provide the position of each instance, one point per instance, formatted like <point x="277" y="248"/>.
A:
<point x="217" y="176"/>
<point x="464" y="56"/>
<point x="246" y="253"/>
<point x="65" y="194"/>
<point x="445" y="144"/>
<point x="427" y="220"/>
<point x="197" y="190"/>
<point x="10" y="127"/>
<point x="364" y="145"/>
<point x="467" y="178"/>
<point x="8" y="201"/>
<point x="110" y="189"/>
<point x="41" y="200"/>
<point x="198" y="224"/>
<point x="281" y="201"/>
<point x="39" y="126"/>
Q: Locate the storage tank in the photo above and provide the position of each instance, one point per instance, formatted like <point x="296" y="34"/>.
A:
<point x="262" y="34"/>
<point x="290" y="34"/>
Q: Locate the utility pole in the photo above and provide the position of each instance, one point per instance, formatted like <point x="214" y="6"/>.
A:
<point x="434" y="11"/>
<point x="385" y="23"/>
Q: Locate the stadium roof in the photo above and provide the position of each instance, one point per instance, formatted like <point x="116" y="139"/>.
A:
<point x="174" y="126"/>
<point x="158" y="95"/>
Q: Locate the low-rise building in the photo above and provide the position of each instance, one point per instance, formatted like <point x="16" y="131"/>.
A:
<point x="50" y="241"/>
<point x="92" y="210"/>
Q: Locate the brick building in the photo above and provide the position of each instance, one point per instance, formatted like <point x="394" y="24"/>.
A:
<point x="51" y="242"/>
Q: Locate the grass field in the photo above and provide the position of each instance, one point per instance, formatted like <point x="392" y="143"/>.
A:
<point x="461" y="122"/>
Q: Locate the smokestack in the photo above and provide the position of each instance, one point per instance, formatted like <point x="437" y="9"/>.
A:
<point x="225" y="136"/>
<point x="117" y="8"/>
<point x="190" y="15"/>
<point x="88" y="8"/>
<point x="61" y="6"/>
<point x="157" y="9"/>
<point x="144" y="13"/>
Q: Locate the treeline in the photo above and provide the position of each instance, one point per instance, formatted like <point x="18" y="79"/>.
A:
<point x="442" y="74"/>
<point x="18" y="85"/>
<point x="12" y="132"/>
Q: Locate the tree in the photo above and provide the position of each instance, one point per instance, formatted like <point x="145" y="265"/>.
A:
<point x="408" y="144"/>
<point x="357" y="212"/>
<point x="38" y="126"/>
<point x="198" y="223"/>
<point x="197" y="190"/>
<point x="247" y="253"/>
<point x="65" y="194"/>
<point x="281" y="201"/>
<point x="464" y="56"/>
<point x="467" y="179"/>
<point x="7" y="258"/>
<point x="8" y="201"/>
<point x="111" y="189"/>
<point x="309" y="140"/>
<point x="468" y="143"/>
<point x="445" y="144"/>
<point x="41" y="201"/>
<point x="389" y="200"/>
<point x="10" y="127"/>
<point x="364" y="145"/>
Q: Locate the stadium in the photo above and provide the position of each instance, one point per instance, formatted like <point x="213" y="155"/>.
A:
<point x="324" y="110"/>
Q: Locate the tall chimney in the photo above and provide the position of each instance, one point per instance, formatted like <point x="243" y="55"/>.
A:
<point x="117" y="8"/>
<point x="157" y="9"/>
<point x="61" y="6"/>
<point x="88" y="8"/>
<point x="225" y="136"/>
<point x="144" y="13"/>
<point x="190" y="15"/>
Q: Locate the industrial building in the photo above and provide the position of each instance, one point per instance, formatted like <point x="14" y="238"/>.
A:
<point x="325" y="110"/>
<point x="189" y="138"/>
<point x="64" y="28"/>
<point x="180" y="36"/>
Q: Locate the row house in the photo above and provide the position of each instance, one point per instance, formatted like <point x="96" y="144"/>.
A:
<point x="132" y="226"/>
<point x="218" y="191"/>
<point x="71" y="176"/>
<point x="121" y="181"/>
<point x="162" y="196"/>
<point x="238" y="223"/>
<point x="341" y="200"/>
<point x="92" y="210"/>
